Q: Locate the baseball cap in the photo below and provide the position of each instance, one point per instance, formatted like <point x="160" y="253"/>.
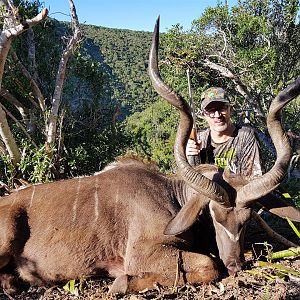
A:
<point x="213" y="94"/>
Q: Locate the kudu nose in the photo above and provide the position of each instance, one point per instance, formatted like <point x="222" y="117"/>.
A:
<point x="233" y="268"/>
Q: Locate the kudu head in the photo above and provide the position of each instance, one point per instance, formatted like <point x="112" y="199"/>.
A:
<point x="230" y="211"/>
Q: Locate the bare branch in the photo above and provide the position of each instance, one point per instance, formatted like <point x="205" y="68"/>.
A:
<point x="60" y="78"/>
<point x="240" y="86"/>
<point x="17" y="30"/>
<point x="225" y="41"/>
<point x="31" y="54"/>
<point x="31" y="80"/>
<point x="18" y="123"/>
<point x="279" y="238"/>
<point x="6" y="35"/>
<point x="19" y="106"/>
<point x="8" y="138"/>
<point x="24" y="92"/>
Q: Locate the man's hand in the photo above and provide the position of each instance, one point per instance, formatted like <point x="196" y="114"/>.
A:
<point x="193" y="148"/>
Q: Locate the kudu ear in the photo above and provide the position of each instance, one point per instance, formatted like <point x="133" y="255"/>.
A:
<point x="186" y="217"/>
<point x="277" y="205"/>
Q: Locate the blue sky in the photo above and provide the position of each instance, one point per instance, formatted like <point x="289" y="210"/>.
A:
<point x="132" y="14"/>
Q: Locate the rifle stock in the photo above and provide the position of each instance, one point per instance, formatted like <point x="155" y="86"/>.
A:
<point x="193" y="134"/>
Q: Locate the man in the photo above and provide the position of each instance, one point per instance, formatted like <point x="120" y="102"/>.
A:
<point x="223" y="143"/>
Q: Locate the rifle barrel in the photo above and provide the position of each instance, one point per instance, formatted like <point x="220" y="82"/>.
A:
<point x="191" y="102"/>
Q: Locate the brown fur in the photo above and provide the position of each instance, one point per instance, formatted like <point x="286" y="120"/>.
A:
<point x="114" y="223"/>
<point x="111" y="223"/>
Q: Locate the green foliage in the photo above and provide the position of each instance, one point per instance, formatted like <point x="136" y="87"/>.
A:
<point x="292" y="187"/>
<point x="123" y="55"/>
<point x="291" y="252"/>
<point x="90" y="153"/>
<point x="85" y="132"/>
<point x="91" y="83"/>
<point x="256" y="40"/>
<point x="73" y="287"/>
<point x="279" y="270"/>
<point x="36" y="165"/>
<point x="7" y="170"/>
<point x="152" y="134"/>
<point x="294" y="228"/>
<point x="291" y="116"/>
<point x="27" y="9"/>
<point x="109" y="105"/>
<point x="49" y="42"/>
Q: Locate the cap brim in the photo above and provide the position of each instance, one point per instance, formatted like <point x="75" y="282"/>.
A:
<point x="205" y="103"/>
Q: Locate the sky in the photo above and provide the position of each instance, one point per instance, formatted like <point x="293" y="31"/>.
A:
<point x="132" y="14"/>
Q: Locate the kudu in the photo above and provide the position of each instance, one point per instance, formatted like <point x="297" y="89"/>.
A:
<point x="131" y="222"/>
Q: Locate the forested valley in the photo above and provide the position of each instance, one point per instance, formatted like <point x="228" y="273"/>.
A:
<point x="75" y="97"/>
<point x="106" y="106"/>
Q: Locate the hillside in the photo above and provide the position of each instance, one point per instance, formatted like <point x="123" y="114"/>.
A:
<point x="123" y="56"/>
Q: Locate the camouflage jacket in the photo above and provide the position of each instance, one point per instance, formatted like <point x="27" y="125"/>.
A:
<point x="241" y="153"/>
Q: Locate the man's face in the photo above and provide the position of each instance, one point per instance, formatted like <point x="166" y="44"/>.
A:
<point x="217" y="115"/>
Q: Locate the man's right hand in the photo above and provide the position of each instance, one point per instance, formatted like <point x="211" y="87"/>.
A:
<point x="193" y="148"/>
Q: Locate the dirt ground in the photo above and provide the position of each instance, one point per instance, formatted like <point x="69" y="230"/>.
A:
<point x="257" y="283"/>
<point x="279" y="281"/>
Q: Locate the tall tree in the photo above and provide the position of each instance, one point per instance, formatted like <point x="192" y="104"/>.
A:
<point x="25" y="80"/>
<point x="251" y="49"/>
<point x="13" y="26"/>
<point x="60" y="78"/>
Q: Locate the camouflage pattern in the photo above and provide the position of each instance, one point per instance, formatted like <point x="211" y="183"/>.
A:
<point x="241" y="153"/>
<point x="213" y="94"/>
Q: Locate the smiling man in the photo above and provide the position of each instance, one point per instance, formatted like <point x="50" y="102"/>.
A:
<point x="223" y="143"/>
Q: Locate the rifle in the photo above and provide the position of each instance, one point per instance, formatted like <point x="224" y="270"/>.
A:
<point x="193" y="134"/>
<point x="193" y="159"/>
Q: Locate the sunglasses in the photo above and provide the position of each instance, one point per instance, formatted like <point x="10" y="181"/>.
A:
<point x="212" y="111"/>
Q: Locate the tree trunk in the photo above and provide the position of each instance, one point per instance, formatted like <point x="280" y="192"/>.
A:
<point x="60" y="79"/>
<point x="8" y="139"/>
<point x="11" y="30"/>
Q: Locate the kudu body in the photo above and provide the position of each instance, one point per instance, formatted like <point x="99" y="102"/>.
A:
<point x="131" y="222"/>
